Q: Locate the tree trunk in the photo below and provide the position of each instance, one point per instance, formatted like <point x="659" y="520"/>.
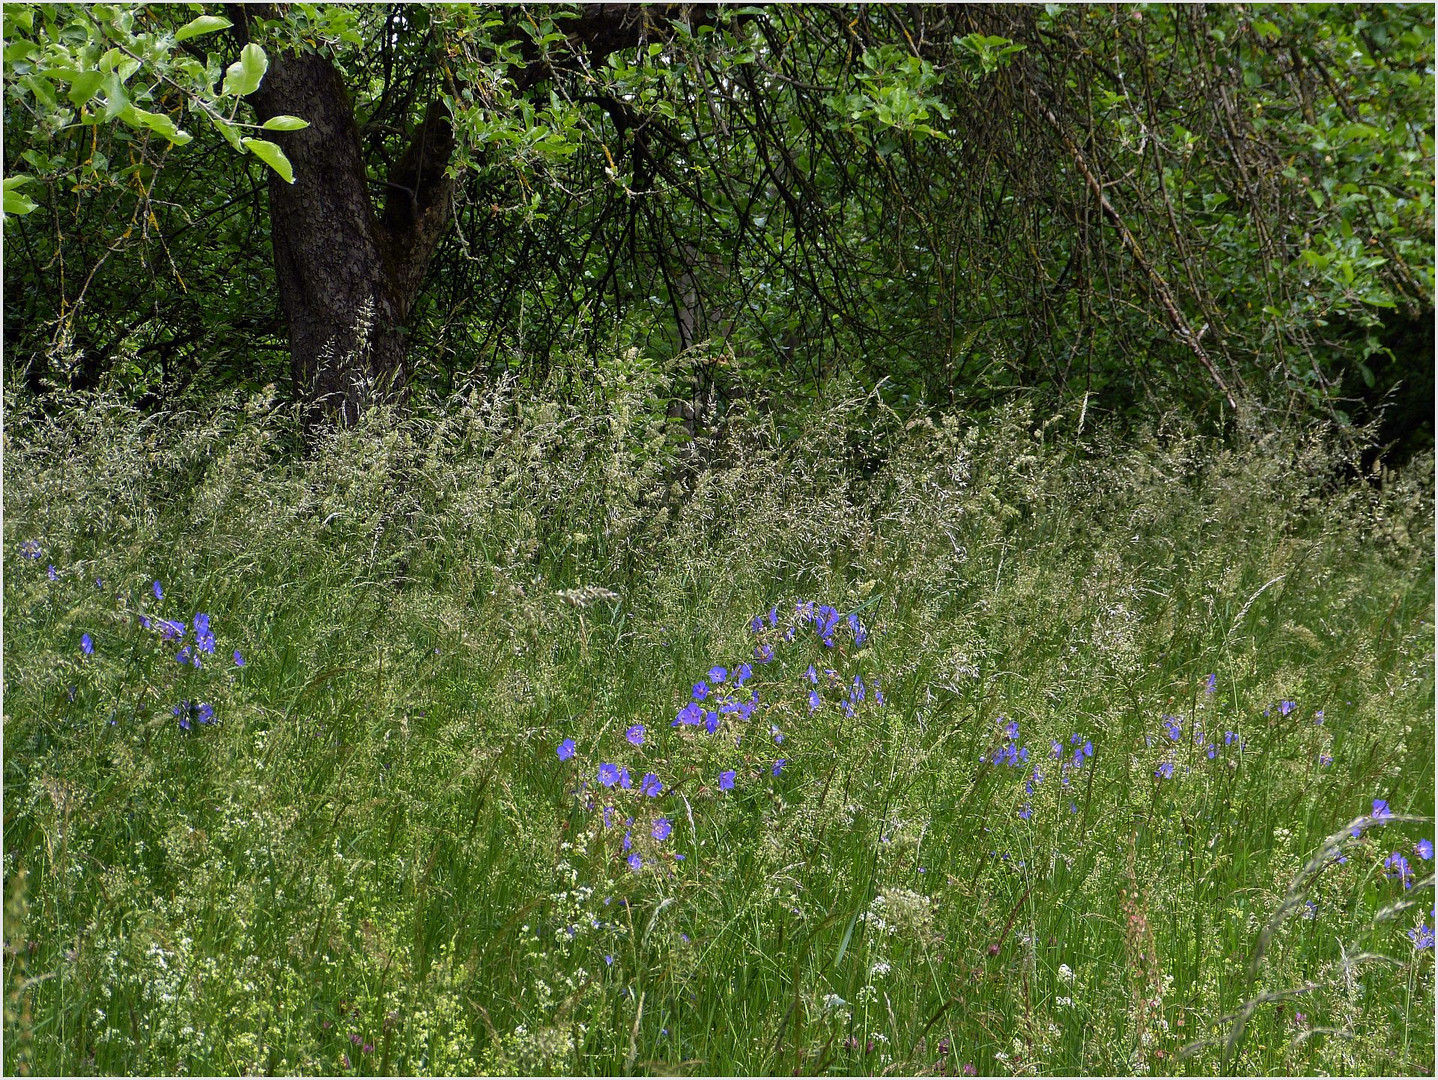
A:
<point x="347" y="275"/>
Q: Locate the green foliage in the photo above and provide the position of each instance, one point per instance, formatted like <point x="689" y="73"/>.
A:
<point x="374" y="861"/>
<point x="96" y="51"/>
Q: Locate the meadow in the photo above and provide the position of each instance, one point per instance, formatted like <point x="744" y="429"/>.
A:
<point x="530" y="735"/>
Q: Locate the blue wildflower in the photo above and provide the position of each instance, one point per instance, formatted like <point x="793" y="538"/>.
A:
<point x="566" y="750"/>
<point x="661" y="829"/>
<point x="711" y="721"/>
<point x="814" y="700"/>
<point x="1164" y="770"/>
<point x="635" y="734"/>
<point x="778" y="765"/>
<point x="651" y="786"/>
<point x="1325" y="759"/>
<point x="1398" y="867"/>
<point x="634" y="861"/>
<point x="1173" y="727"/>
<point x="717" y="675"/>
<point x="628" y="843"/>
<point x="1026" y="811"/>
<point x="624" y="780"/>
<point x="1058" y="749"/>
<point x="1422" y="936"/>
<point x="701" y="690"/>
<point x="205" y="713"/>
<point x="159" y="592"/>
<point x="778" y="735"/>
<point x="1424" y="849"/>
<point x="87" y="646"/>
<point x="1087" y="748"/>
<point x="1380" y="809"/>
<point x="1211" y="683"/>
<point x="608" y="774"/>
<point x="690" y="714"/>
<point x="1285" y="707"/>
<point x="239" y="660"/>
<point x="743" y="674"/>
<point x="182" y="710"/>
<point x="30" y="549"/>
<point x="763" y="653"/>
<point x="726" y="780"/>
<point x="1318" y="718"/>
<point x="52" y="574"/>
<point x="204" y="640"/>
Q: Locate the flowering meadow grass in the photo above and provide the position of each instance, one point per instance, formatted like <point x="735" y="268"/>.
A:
<point x="531" y="737"/>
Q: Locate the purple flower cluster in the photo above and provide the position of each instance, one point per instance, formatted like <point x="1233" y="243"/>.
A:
<point x="199" y="711"/>
<point x="722" y="699"/>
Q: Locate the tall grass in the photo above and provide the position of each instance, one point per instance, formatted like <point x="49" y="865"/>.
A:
<point x="375" y="859"/>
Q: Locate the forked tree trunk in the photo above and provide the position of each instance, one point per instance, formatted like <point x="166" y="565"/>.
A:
<point x="347" y="275"/>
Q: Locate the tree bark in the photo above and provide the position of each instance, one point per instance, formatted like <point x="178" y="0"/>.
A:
<point x="347" y="275"/>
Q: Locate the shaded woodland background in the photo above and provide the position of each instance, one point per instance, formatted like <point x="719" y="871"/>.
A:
<point x="1153" y="207"/>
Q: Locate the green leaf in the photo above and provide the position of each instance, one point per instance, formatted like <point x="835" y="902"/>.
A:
<point x="16" y="202"/>
<point x="272" y="156"/>
<point x="117" y="100"/>
<point x="205" y="24"/>
<point x="228" y="130"/>
<point x="244" y="75"/>
<point x="83" y="87"/>
<point x="285" y="123"/>
<point x="158" y="123"/>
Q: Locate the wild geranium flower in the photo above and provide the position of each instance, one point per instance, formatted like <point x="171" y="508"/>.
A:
<point x="205" y="713"/>
<point x="778" y="765"/>
<point x="182" y="710"/>
<point x="634" y="861"/>
<point x="635" y="734"/>
<point x="86" y="645"/>
<point x="651" y="786"/>
<point x="1318" y="718"/>
<point x="1421" y="936"/>
<point x="814" y="700"/>
<point x="565" y="750"/>
<point x="158" y="591"/>
<point x="717" y="675"/>
<point x="662" y="829"/>
<point x="726" y="780"/>
<point x="1026" y="811"/>
<point x="204" y="640"/>
<point x="1325" y="759"/>
<point x="1424" y="849"/>
<point x="608" y="774"/>
<point x="763" y="653"/>
<point x="743" y="674"/>
<point x="624" y="780"/>
<point x="1087" y="748"/>
<point x="690" y="714"/>
<point x="1380" y="809"/>
<point x="1164" y="770"/>
<point x="1211" y="683"/>
<point x="1173" y="727"/>
<point x="778" y="735"/>
<point x="52" y="574"/>
<point x="239" y="660"/>
<point x="1285" y="707"/>
<point x="1398" y="867"/>
<point x="30" y="549"/>
<point x="1011" y="729"/>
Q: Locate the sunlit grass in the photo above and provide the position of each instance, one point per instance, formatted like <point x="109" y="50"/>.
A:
<point x="376" y="860"/>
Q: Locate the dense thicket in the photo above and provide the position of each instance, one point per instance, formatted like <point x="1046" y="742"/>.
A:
<point x="1201" y="203"/>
